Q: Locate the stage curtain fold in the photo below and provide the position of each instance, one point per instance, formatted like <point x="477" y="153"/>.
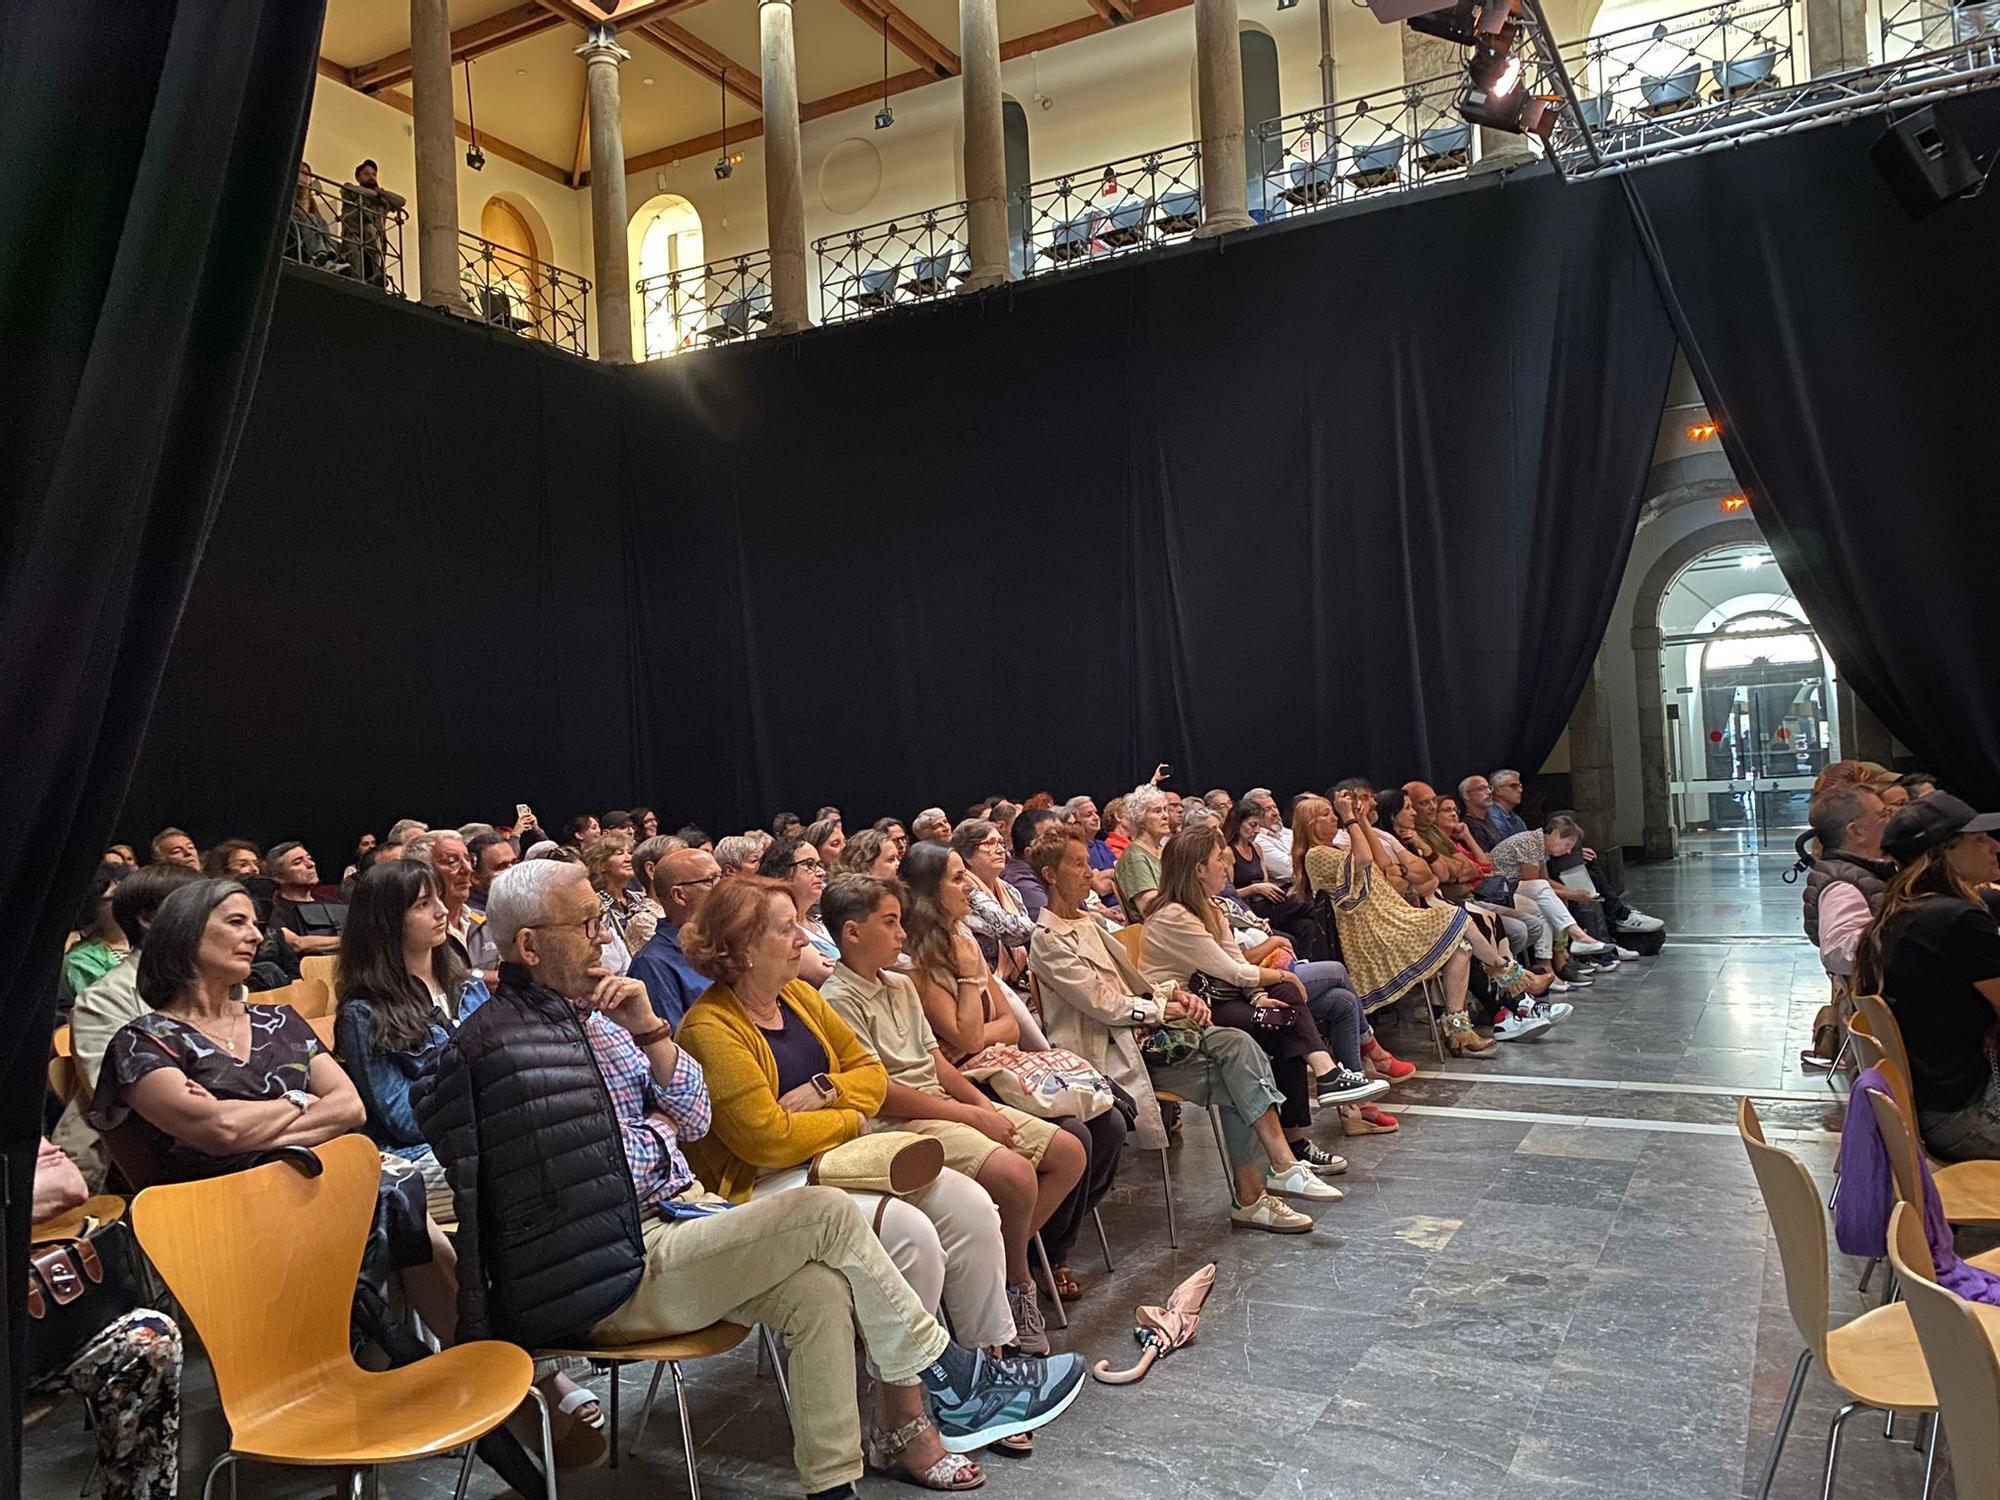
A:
<point x="149" y="161"/>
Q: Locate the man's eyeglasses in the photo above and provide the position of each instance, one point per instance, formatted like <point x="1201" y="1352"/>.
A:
<point x="592" y="925"/>
<point x="706" y="880"/>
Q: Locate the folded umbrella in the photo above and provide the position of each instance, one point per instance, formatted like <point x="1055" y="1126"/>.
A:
<point x="1162" y="1330"/>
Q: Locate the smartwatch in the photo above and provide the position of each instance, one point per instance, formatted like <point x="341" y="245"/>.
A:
<point x="299" y="1099"/>
<point x="825" y="1086"/>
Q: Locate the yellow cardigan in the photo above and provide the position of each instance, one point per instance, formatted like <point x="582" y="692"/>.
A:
<point x="751" y="1134"/>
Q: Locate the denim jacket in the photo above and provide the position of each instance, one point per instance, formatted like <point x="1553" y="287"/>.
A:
<point x="383" y="1078"/>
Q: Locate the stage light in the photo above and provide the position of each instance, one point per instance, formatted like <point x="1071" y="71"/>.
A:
<point x="475" y="158"/>
<point x="1288" y="4"/>
<point x="1733" y="503"/>
<point x="884" y="117"/>
<point x="1703" y="432"/>
<point x="1455" y="23"/>
<point x="1492" y="66"/>
<point x="723" y="167"/>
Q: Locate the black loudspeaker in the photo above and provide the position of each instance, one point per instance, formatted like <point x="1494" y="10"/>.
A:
<point x="1925" y="162"/>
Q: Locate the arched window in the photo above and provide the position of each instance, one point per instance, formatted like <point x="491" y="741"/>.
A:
<point x="1259" y="54"/>
<point x="513" y="273"/>
<point x="669" y="236"/>
<point x="1014" y="126"/>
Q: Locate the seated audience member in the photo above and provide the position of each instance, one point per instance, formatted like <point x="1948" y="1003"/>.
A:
<point x="1408" y="870"/>
<point x="1002" y="817"/>
<point x="232" y="859"/>
<point x="645" y="854"/>
<point x="736" y="855"/>
<point x="1197" y="815"/>
<point x="999" y="917"/>
<point x="490" y="854"/>
<point x="829" y="811"/>
<point x="645" y="824"/>
<point x="1527" y="935"/>
<point x="101" y="943"/>
<point x="797" y="864"/>
<point x="1457" y="873"/>
<point x="403" y="987"/>
<point x="829" y="838"/>
<point x="1100" y="1007"/>
<point x="682" y="879"/>
<point x="1603" y="904"/>
<point x="1082" y="813"/>
<point x="301" y="924"/>
<point x="449" y="859"/>
<point x="870" y="852"/>
<point x="1274" y="838"/>
<point x="1148" y="815"/>
<point x="930" y="826"/>
<point x="787" y="825"/>
<point x="695" y="838"/>
<point x="1388" y="945"/>
<point x="1187" y="942"/>
<point x="1218" y="801"/>
<point x="967" y="1006"/>
<point x="404" y="829"/>
<point x="127" y="1373"/>
<point x="1118" y="831"/>
<point x="582" y="831"/>
<point x="628" y="925"/>
<point x="1016" y="872"/>
<point x="1523" y="858"/>
<point x="1263" y="892"/>
<point x="172" y="846"/>
<point x="1028" y="1166"/>
<point x="619" y="821"/>
<point x="1933" y="951"/>
<point x="1845" y="887"/>
<point x="638" y="1250"/>
<point x="893" y="830"/>
<point x="121" y="854"/>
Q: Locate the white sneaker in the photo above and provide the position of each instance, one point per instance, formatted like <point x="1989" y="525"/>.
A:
<point x="1557" y="1011"/>
<point x="1587" y="947"/>
<point x="1638" y="921"/>
<point x="1559" y="987"/>
<point x="1300" y="1181"/>
<point x="1626" y="955"/>
<point x="1271" y="1216"/>
<point x="1519" y="1028"/>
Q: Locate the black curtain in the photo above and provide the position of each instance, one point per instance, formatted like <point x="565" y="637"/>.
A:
<point x="1852" y="357"/>
<point x="143" y="189"/>
<point x="1352" y="498"/>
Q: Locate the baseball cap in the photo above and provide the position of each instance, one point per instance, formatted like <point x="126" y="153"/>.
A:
<point x="1927" y="823"/>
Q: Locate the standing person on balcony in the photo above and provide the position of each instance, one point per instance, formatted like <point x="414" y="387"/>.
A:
<point x="365" y="210"/>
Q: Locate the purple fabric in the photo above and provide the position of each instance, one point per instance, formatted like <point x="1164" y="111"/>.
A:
<point x="1868" y="1193"/>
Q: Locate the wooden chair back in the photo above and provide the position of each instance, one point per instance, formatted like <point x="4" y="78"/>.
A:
<point x="322" y="966"/>
<point x="1964" y="1369"/>
<point x="1793" y="1204"/>
<point x="1901" y="1146"/>
<point x="311" y="998"/>
<point x="63" y="1076"/>
<point x="264" y="1262"/>
<point x="1882" y="1025"/>
<point x="1132" y="939"/>
<point x="323" y="1029"/>
<point x="1868" y="1050"/>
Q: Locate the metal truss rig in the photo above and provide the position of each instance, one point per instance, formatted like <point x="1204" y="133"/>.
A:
<point x="1581" y="151"/>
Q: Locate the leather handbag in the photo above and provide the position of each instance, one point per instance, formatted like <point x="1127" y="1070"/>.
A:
<point x="76" y="1287"/>
<point x="898" y="1162"/>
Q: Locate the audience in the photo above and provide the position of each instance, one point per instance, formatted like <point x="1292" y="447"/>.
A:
<point x="790" y="859"/>
<point x="966" y="1004"/>
<point x="930" y="826"/>
<point x="1016" y="873"/>
<point x="172" y="846"/>
<point x="1933" y="951"/>
<point x="870" y="852"/>
<point x="893" y="830"/>
<point x="1148" y="816"/>
<point x="628" y="925"/>
<point x="233" y="859"/>
<point x="682" y="880"/>
<point x="999" y="918"/>
<point x="101" y="943"/>
<point x="1523" y="858"/>
<point x="490" y="855"/>
<point x="638" y="1250"/>
<point x="829" y="838"/>
<point x="301" y="923"/>
<point x="737" y="855"/>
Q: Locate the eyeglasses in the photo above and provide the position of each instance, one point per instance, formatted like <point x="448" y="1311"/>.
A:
<point x="1000" y="844"/>
<point x="592" y="925"/>
<point x="810" y="864"/>
<point x="706" y="880"/>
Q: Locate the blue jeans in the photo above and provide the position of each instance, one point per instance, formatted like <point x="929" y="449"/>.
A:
<point x="1334" y="1005"/>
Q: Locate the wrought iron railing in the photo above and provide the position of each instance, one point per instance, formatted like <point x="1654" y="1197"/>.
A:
<point x="524" y="295"/>
<point x="1380" y="143"/>
<point x="1122" y="206"/>
<point x="915" y="258"/>
<point x="698" y="306"/>
<point x="1913" y="26"/>
<point x="347" y="230"/>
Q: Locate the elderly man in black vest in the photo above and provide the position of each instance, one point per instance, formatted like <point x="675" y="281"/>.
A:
<point x="1843" y="891"/>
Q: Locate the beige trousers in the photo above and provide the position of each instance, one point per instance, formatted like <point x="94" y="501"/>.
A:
<point x="806" y="1265"/>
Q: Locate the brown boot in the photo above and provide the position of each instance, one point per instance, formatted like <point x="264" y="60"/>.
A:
<point x="1462" y="1039"/>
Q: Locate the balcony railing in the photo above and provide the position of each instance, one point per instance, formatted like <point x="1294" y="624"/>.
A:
<point x="717" y="303"/>
<point x="347" y="230"/>
<point x="915" y="258"/>
<point x="1130" y="204"/>
<point x="1380" y="143"/>
<point x="524" y="295"/>
<point x="1913" y="26"/>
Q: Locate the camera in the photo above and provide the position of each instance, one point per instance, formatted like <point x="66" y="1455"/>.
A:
<point x="722" y="169"/>
<point x="475" y="158"/>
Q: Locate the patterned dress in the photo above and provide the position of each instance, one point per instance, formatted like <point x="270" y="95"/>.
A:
<point x="129" y="1377"/>
<point x="1387" y="944"/>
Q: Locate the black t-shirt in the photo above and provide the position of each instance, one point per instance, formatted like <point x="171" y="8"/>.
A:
<point x="1934" y="957"/>
<point x="796" y="1050"/>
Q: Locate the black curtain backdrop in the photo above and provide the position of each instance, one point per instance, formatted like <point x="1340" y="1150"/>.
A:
<point x="148" y="164"/>
<point x="1849" y="354"/>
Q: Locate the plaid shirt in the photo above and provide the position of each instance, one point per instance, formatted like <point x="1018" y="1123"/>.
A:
<point x="652" y="1143"/>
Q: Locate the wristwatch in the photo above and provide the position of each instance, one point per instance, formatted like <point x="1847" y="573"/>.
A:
<point x="299" y="1099"/>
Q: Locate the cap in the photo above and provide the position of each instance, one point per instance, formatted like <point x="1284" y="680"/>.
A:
<point x="1931" y="821"/>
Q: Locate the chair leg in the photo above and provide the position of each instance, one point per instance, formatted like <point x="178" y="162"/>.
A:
<point x="1167" y="1179"/>
<point x="1833" y="1197"/>
<point x="1049" y="1269"/>
<point x="208" y="1482"/>
<point x="617" y="1372"/>
<point x="1222" y="1150"/>
<point x="1833" y="1446"/>
<point x="646" y="1416"/>
<point x="465" y="1471"/>
<point x="1784" y="1423"/>
<point x="777" y="1369"/>
<point x="1868" y="1273"/>
<point x="1431" y="1016"/>
<point x="549" y="1440"/>
<point x="1103" y="1242"/>
<point x="1930" y="1462"/>
<point x="687" y="1429"/>
<point x="1833" y="1072"/>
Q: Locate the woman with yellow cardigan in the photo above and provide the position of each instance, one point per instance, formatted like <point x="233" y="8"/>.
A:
<point x="788" y="1079"/>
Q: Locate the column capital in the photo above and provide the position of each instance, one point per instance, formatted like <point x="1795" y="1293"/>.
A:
<point x="786" y="3"/>
<point x="601" y="45"/>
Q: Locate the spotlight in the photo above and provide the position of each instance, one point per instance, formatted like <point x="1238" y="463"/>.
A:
<point x="1493" y="67"/>
<point x="723" y="169"/>
<point x="1455" y="23"/>
<point x="885" y="116"/>
<point x="475" y="158"/>
<point x="1288" y="4"/>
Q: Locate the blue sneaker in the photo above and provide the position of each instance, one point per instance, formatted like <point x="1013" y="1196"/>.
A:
<point x="1008" y="1396"/>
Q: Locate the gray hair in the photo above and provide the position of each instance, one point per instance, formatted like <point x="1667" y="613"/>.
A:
<point x="970" y="834"/>
<point x="1260" y="791"/>
<point x="1494" y="778"/>
<point x="1142" y="800"/>
<point x="419" y="846"/>
<point x="1465" y="786"/>
<point x="931" y="817"/>
<point x="1563" y="826"/>
<point x="471" y="831"/>
<point x="519" y="897"/>
<point x="1074" y="807"/>
<point x="736" y="852"/>
<point x="1199" y="815"/>
<point x="1834" y="809"/>
<point x="402" y="828"/>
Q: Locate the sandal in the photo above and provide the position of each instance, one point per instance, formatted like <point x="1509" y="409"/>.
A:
<point x="1066" y="1284"/>
<point x="885" y="1453"/>
<point x="1020" y="1445"/>
<point x="582" y="1405"/>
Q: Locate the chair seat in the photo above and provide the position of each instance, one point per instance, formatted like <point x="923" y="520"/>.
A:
<point x="355" y="1417"/>
<point x="703" y="1343"/>
<point x="1877" y="1360"/>
<point x="1970" y="1191"/>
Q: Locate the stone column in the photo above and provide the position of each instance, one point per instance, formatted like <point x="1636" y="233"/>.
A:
<point x="985" y="144"/>
<point x="1593" y="786"/>
<point x="601" y="56"/>
<point x="1662" y="838"/>
<point x="784" y="171"/>
<point x="1837" y="35"/>
<point x="1218" y="64"/>
<point x="437" y="156"/>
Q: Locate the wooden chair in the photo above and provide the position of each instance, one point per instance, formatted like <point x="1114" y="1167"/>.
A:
<point x="264" y="1264"/>
<point x="323" y="1029"/>
<point x="1874" y="1359"/>
<point x="1957" y="1338"/>
<point x="1096" y="1218"/>
<point x="322" y="966"/>
<point x="1904" y="1159"/>
<point x="64" y="1080"/>
<point x="311" y="998"/>
<point x="1970" y="1190"/>
<point x="668" y="1355"/>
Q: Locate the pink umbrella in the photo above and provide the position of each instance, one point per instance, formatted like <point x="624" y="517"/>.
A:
<point x="1162" y="1330"/>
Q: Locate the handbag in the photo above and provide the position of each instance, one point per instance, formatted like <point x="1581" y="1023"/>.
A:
<point x="898" y="1162"/>
<point x="1051" y="1085"/>
<point x="76" y="1288"/>
<point x="1171" y="1044"/>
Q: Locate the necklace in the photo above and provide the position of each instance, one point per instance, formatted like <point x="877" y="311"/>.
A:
<point x="226" y="1043"/>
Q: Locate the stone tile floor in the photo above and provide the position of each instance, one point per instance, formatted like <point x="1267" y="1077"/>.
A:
<point x="1556" y="1281"/>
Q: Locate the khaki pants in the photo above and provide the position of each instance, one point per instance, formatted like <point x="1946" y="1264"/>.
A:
<point x="806" y="1265"/>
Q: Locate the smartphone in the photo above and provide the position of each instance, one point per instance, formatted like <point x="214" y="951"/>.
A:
<point x="522" y="813"/>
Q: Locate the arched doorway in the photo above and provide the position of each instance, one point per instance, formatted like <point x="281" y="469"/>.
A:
<point x="664" y="240"/>
<point x="506" y="287"/>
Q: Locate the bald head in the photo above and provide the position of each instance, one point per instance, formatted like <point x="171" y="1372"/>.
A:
<point x="682" y="879"/>
<point x="1423" y="800"/>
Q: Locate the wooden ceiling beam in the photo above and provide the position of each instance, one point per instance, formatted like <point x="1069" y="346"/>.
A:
<point x="691" y="52"/>
<point x="907" y="36"/>
<point x="328" y="68"/>
<point x="476" y="40"/>
<point x="633" y="12"/>
<point x="488" y="141"/>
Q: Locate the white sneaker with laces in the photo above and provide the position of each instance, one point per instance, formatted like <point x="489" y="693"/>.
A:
<point x="1300" y="1181"/>
<point x="1519" y="1028"/>
<point x="1271" y="1216"/>
<point x="1560" y="987"/>
<point x="1557" y="1011"/>
<point x="1638" y="921"/>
